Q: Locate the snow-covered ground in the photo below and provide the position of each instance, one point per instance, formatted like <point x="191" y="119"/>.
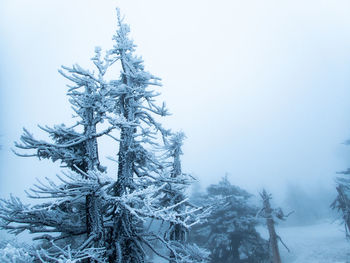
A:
<point x="320" y="243"/>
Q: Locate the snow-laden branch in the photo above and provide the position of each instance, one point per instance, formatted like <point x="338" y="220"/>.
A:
<point x="145" y="204"/>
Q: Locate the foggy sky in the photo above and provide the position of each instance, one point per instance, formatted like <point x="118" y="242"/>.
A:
<point x="261" y="88"/>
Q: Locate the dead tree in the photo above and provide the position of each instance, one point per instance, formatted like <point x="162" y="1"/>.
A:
<point x="269" y="214"/>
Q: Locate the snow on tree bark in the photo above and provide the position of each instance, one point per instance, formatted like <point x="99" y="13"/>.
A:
<point x="94" y="217"/>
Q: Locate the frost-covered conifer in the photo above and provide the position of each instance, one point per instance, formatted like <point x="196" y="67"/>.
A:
<point x="342" y="201"/>
<point x="175" y="194"/>
<point x="177" y="232"/>
<point x="73" y="216"/>
<point x="230" y="231"/>
<point x="134" y="105"/>
<point x="92" y="215"/>
<point x="140" y="160"/>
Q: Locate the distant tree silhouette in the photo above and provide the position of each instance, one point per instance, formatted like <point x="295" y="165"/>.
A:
<point x="230" y="231"/>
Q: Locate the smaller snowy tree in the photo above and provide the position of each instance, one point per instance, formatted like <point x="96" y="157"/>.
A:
<point x="230" y="231"/>
<point x="342" y="201"/>
<point x="175" y="196"/>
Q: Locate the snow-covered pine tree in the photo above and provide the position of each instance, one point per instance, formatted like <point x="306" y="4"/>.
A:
<point x="177" y="232"/>
<point x="139" y="165"/>
<point x="90" y="216"/>
<point x="230" y="231"/>
<point x="342" y="201"/>
<point x="75" y="217"/>
<point x="134" y="102"/>
<point x="175" y="195"/>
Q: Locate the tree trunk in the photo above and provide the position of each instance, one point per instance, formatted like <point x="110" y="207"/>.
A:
<point x="273" y="241"/>
<point x="179" y="233"/>
<point x="125" y="245"/>
<point x="94" y="217"/>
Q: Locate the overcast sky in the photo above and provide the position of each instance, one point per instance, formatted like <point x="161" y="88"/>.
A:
<point x="261" y="88"/>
